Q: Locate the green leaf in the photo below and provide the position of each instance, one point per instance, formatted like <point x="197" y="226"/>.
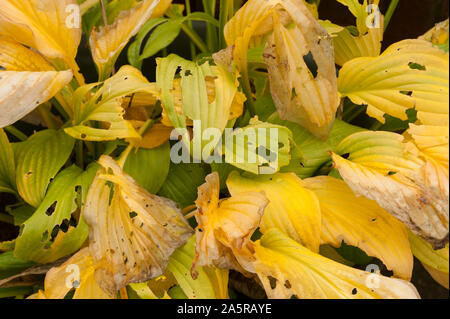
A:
<point x="224" y="169"/>
<point x="10" y="265"/>
<point x="53" y="231"/>
<point x="314" y="152"/>
<point x="149" y="168"/>
<point x="134" y="51"/>
<point x="21" y="214"/>
<point x="211" y="283"/>
<point x="202" y="16"/>
<point x="7" y="165"/>
<point x="182" y="183"/>
<point x="38" y="161"/>
<point x="162" y="37"/>
<point x="354" y="254"/>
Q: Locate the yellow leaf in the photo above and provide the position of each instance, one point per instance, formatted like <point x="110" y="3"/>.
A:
<point x="16" y="57"/>
<point x="432" y="141"/>
<point x="383" y="167"/>
<point x="132" y="233"/>
<point x="439" y="34"/>
<point x="78" y="272"/>
<point x="105" y="106"/>
<point x="108" y="41"/>
<point x="292" y="208"/>
<point x="411" y="74"/>
<point x="22" y="92"/>
<point x="158" y="135"/>
<point x="288" y="269"/>
<point x="435" y="261"/>
<point x="362" y="223"/>
<point x="52" y="27"/>
<point x="226" y="226"/>
<point x="304" y="92"/>
<point x="236" y="109"/>
<point x="368" y="41"/>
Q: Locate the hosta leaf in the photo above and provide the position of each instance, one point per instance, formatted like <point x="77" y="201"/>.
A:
<point x="226" y="226"/>
<point x="252" y="20"/>
<point x="211" y="282"/>
<point x="94" y="17"/>
<point x="108" y="41"/>
<point x="38" y="161"/>
<point x="259" y="148"/>
<point x="132" y="233"/>
<point x="157" y="136"/>
<point x="182" y="182"/>
<point x="196" y="105"/>
<point x="383" y="167"/>
<point x="432" y="141"/>
<point x="292" y="208"/>
<point x="10" y="265"/>
<point x="367" y="43"/>
<point x="302" y="72"/>
<point x="78" y="272"/>
<point x="288" y="269"/>
<point x="161" y="37"/>
<point x="313" y="152"/>
<point x="362" y="223"/>
<point x="22" y="92"/>
<point x="7" y="165"/>
<point x="57" y="229"/>
<point x="134" y="51"/>
<point x="434" y="261"/>
<point x="104" y="107"/>
<point x="16" y="57"/>
<point x="410" y="74"/>
<point x="438" y="35"/>
<point x="149" y="167"/>
<point x="52" y="27"/>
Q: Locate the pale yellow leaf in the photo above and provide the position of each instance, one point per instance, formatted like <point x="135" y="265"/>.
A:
<point x="132" y="233"/>
<point x="287" y="269"/>
<point x="226" y="226"/>
<point x="22" y="92"/>
<point x="383" y="167"/>
<point x="108" y="41"/>
<point x="302" y="94"/>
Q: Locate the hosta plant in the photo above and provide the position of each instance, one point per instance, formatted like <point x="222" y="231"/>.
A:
<point x="276" y="150"/>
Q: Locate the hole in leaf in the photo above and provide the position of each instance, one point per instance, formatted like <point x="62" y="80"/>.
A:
<point x="273" y="282"/>
<point x="51" y="209"/>
<point x="311" y="64"/>
<point x="416" y="66"/>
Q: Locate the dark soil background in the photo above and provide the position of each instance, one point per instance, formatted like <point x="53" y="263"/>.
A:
<point x="411" y="19"/>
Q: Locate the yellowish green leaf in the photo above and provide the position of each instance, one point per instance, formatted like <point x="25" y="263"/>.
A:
<point x="39" y="159"/>
<point x="210" y="283"/>
<point x="411" y="74"/>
